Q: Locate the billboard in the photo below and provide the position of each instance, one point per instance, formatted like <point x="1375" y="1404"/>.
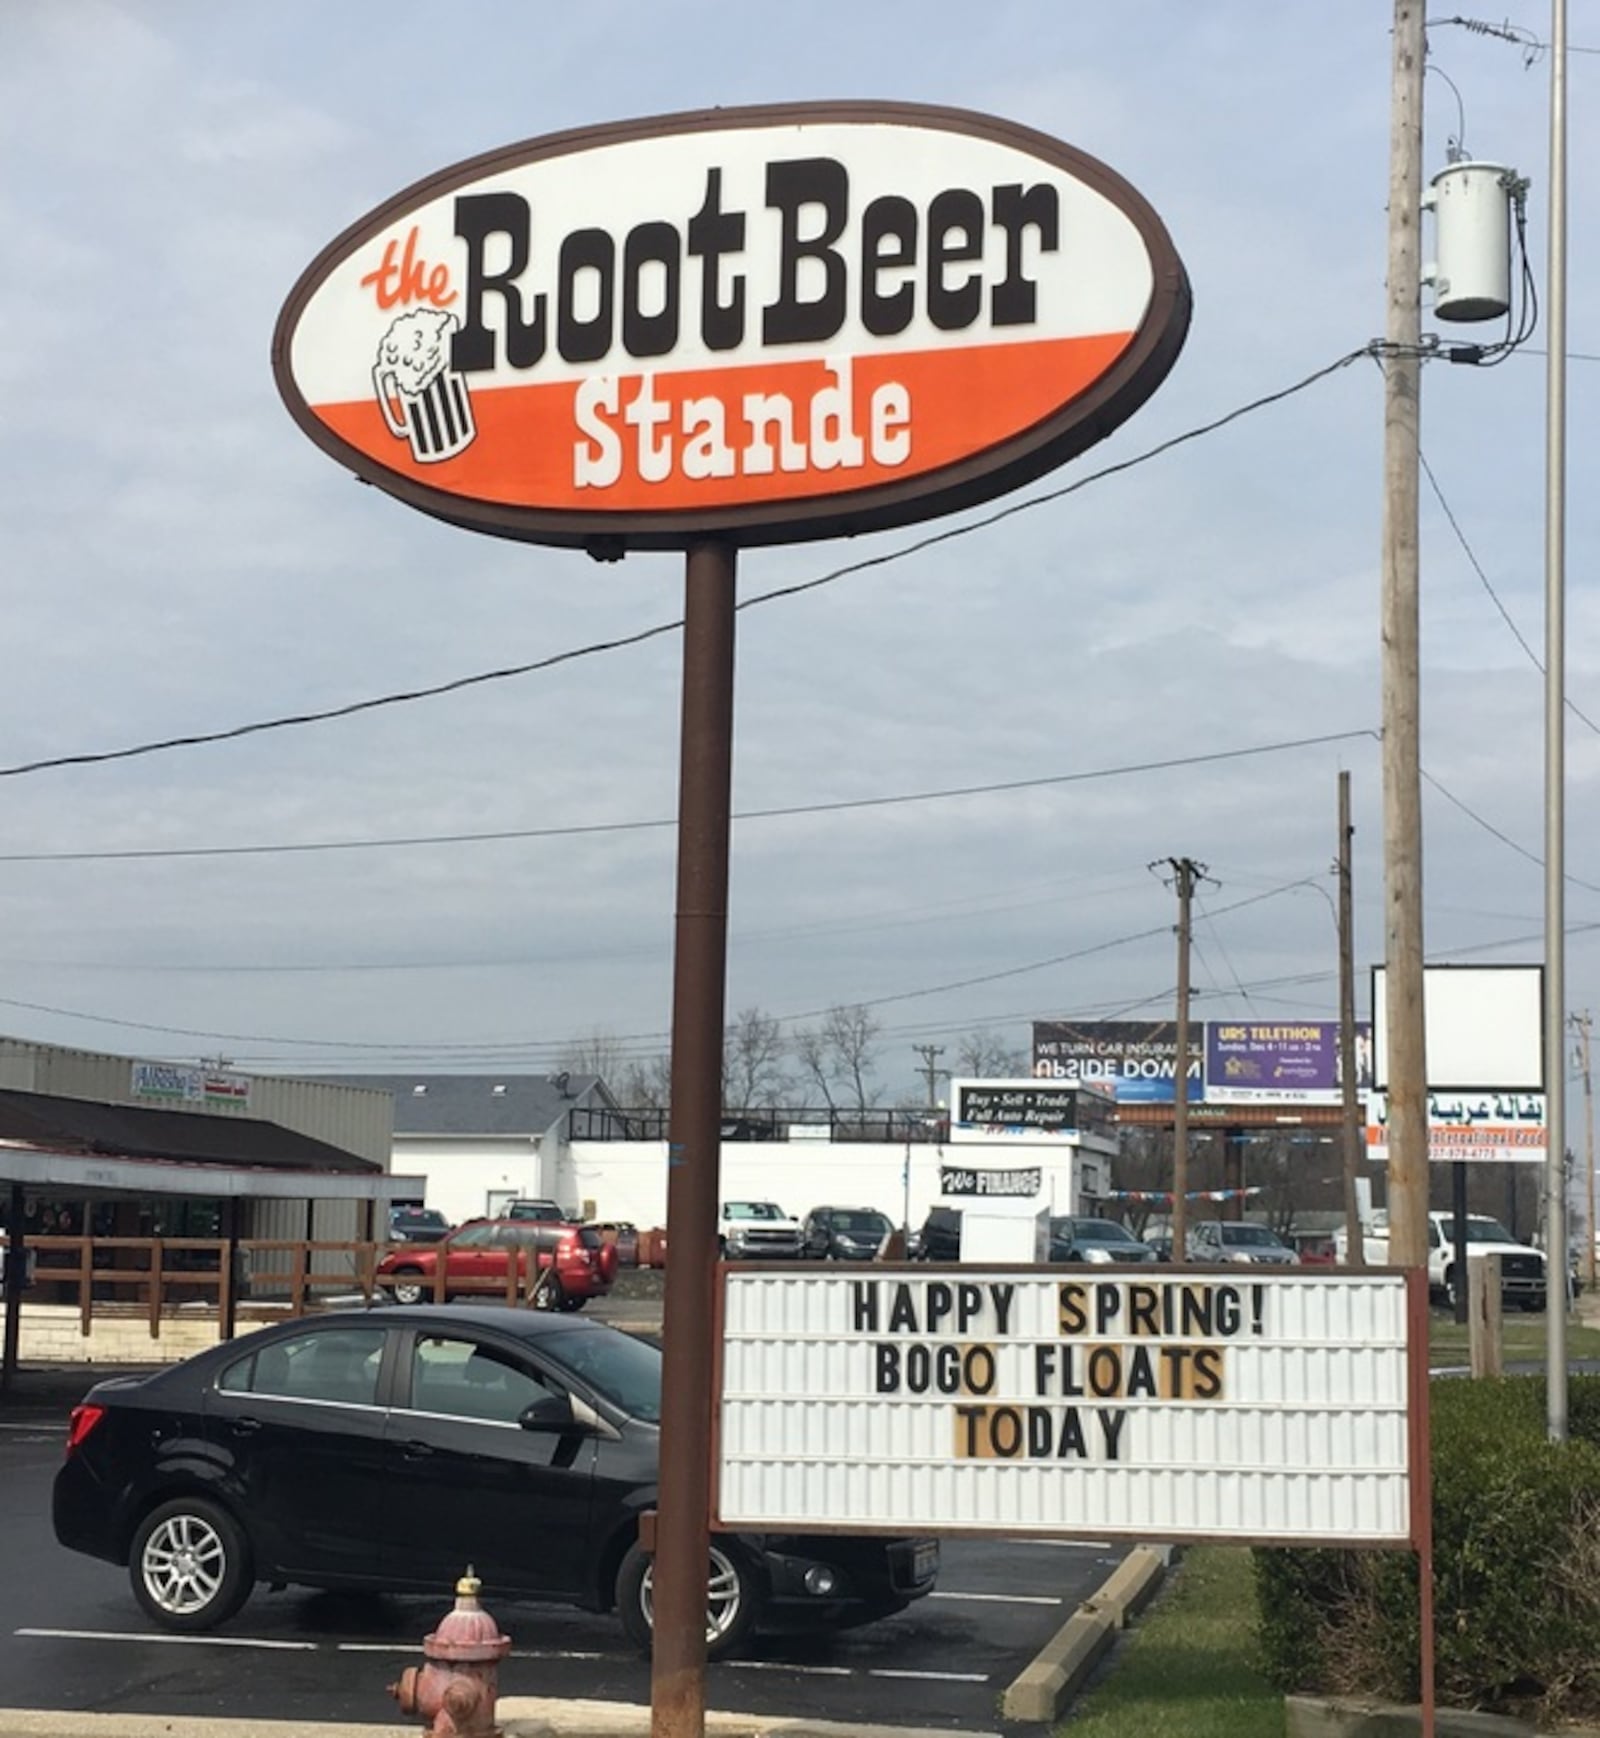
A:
<point x="1137" y="1059"/>
<point x="1284" y="1061"/>
<point x="1472" y="1127"/>
<point x="770" y="324"/>
<point x="1275" y="1406"/>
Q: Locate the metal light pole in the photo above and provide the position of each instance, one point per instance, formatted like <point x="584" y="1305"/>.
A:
<point x="1555" y="688"/>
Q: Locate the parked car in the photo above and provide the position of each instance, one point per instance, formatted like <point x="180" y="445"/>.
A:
<point x="417" y="1225"/>
<point x="940" y="1236"/>
<point x="1523" y="1277"/>
<point x="751" y="1230"/>
<point x="545" y="1211"/>
<point x="576" y="1260"/>
<point x="1161" y="1243"/>
<point x="524" y="1444"/>
<point x="845" y="1233"/>
<point x="1096" y="1240"/>
<point x="1237" y="1241"/>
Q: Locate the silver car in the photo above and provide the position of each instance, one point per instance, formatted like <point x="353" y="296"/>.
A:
<point x="1234" y="1240"/>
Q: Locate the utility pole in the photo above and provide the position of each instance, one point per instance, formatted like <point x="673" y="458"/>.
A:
<point x="1185" y="872"/>
<point x="1354" y="1242"/>
<point x="1583" y="1025"/>
<point x="1406" y="1079"/>
<point x="930" y="1070"/>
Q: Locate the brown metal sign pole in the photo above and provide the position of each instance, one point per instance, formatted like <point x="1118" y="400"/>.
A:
<point x="678" y="1669"/>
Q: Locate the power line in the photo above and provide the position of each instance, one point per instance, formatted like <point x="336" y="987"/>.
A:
<point x="1477" y="568"/>
<point x="350" y="709"/>
<point x="145" y="854"/>
<point x="439" y="1048"/>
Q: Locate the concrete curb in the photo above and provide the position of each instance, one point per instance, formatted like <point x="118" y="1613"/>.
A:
<point x="1061" y="1665"/>
<point x="519" y="1717"/>
<point x="1348" y="1717"/>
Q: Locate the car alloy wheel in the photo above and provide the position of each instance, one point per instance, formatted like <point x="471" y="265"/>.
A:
<point x="733" y="1599"/>
<point x="189" y="1564"/>
<point x="409" y="1286"/>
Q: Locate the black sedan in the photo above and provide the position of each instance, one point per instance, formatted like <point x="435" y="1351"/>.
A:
<point x="387" y="1451"/>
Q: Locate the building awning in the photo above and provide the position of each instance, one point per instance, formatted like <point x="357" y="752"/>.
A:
<point x="81" y="1145"/>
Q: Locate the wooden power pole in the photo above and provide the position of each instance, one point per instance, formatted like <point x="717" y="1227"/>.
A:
<point x="1185" y="873"/>
<point x="1406" y="1060"/>
<point x="1355" y="1248"/>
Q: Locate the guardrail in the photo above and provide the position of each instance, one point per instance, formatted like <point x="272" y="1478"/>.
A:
<point x="250" y="1275"/>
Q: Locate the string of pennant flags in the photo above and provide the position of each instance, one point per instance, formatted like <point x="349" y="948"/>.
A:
<point x="1163" y="1197"/>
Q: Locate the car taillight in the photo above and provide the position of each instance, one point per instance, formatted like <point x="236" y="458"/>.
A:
<point x="80" y="1422"/>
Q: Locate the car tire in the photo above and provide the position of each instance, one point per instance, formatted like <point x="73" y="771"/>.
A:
<point x="190" y="1565"/>
<point x="549" y="1293"/>
<point x="734" y="1598"/>
<point x="410" y="1287"/>
<point x="570" y="1301"/>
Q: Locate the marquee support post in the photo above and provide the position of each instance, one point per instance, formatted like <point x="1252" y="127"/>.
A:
<point x="682" y="1531"/>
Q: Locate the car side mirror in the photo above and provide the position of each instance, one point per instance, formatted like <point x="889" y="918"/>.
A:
<point x="549" y="1413"/>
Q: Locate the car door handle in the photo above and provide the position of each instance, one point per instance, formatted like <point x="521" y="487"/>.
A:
<point x="245" y="1426"/>
<point x="416" y="1451"/>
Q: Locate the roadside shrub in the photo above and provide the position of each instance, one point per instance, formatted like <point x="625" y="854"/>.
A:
<point x="1516" y="1523"/>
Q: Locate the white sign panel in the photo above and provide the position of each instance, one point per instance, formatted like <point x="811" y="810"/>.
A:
<point x="1484" y="1024"/>
<point x="1020" y="1400"/>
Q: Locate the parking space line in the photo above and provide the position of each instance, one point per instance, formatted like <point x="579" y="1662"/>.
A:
<point x="931" y="1677"/>
<point x="160" y="1636"/>
<point x="785" y="1666"/>
<point x="1003" y="1598"/>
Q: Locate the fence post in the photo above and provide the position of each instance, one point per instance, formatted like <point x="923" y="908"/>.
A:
<point x="86" y="1287"/>
<point x="153" y="1286"/>
<point x="439" y="1274"/>
<point x="1486" y="1346"/>
<point x="225" y="1310"/>
<point x="297" y="1282"/>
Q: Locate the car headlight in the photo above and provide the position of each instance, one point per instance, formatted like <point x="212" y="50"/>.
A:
<point x="1097" y="1252"/>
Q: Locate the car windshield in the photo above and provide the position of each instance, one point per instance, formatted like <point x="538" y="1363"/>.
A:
<point x="419" y="1219"/>
<point x="1480" y="1231"/>
<point x="1093" y="1231"/>
<point x="860" y="1224"/>
<point x="752" y="1210"/>
<point x="1255" y="1236"/>
<point x="626" y="1371"/>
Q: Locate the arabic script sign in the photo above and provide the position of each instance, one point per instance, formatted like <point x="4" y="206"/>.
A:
<point x="1476" y="1127"/>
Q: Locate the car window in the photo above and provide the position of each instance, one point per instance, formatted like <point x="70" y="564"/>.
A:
<point x="462" y="1378"/>
<point x="866" y="1223"/>
<point x="330" y="1364"/>
<point x="624" y="1370"/>
<point x="478" y="1236"/>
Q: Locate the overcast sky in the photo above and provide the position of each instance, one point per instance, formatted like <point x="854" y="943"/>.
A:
<point x="179" y="559"/>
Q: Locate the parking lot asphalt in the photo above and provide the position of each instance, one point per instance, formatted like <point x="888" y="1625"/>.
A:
<point x="73" y="1642"/>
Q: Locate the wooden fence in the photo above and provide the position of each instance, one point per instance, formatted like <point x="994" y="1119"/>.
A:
<point x="252" y="1276"/>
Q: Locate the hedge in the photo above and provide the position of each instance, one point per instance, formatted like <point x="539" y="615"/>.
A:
<point x="1516" y="1539"/>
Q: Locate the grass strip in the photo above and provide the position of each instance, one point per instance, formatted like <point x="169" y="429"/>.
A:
<point x="1523" y="1339"/>
<point x="1190" y="1668"/>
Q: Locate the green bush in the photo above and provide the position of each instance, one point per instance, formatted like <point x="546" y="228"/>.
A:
<point x="1516" y="1525"/>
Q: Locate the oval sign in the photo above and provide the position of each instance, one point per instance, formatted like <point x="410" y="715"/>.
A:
<point x="768" y="324"/>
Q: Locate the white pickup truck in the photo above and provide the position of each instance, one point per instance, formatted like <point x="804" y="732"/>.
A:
<point x="1522" y="1267"/>
<point x="758" y="1230"/>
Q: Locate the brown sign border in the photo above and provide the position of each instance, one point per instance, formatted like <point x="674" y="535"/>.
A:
<point x="608" y="533"/>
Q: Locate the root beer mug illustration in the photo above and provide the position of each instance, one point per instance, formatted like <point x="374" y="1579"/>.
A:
<point x="422" y="399"/>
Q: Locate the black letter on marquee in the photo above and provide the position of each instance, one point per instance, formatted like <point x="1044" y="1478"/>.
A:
<point x="791" y="187"/>
<point x="954" y="213"/>
<point x="649" y="334"/>
<point x="586" y="340"/>
<point x="888" y="1362"/>
<point x="478" y="216"/>
<point x="712" y="233"/>
<point x="1014" y="302"/>
<point x="890" y="219"/>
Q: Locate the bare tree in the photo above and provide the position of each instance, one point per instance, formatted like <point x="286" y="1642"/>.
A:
<point x="645" y="1083"/>
<point x="985" y="1055"/>
<point x="599" y="1053"/>
<point x="753" y="1054"/>
<point x="838" y="1057"/>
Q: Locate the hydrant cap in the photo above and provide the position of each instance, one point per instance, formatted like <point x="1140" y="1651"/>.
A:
<point x="468" y="1632"/>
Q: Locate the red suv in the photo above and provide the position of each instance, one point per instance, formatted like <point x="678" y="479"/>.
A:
<point x="573" y="1261"/>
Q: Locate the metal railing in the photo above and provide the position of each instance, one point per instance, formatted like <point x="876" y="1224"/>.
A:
<point x="600" y="1123"/>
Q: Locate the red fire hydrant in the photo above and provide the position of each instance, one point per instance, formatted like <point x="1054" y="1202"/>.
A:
<point x="456" y="1690"/>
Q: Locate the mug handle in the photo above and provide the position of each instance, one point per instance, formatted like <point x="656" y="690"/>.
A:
<point x="380" y="377"/>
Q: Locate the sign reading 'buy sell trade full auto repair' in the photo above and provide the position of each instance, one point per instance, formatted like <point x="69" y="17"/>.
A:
<point x="768" y="324"/>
